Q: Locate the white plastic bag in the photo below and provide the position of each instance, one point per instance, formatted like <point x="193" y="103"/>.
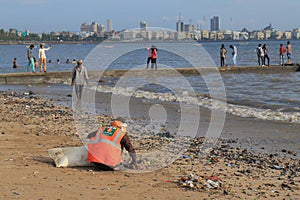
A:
<point x="70" y="156"/>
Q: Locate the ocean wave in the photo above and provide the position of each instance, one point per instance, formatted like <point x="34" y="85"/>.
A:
<point x="204" y="101"/>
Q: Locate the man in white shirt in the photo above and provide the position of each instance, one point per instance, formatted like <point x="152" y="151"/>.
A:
<point x="42" y="57"/>
<point x="234" y="54"/>
<point x="260" y="55"/>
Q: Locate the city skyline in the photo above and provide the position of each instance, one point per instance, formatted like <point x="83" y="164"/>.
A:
<point x="44" y="16"/>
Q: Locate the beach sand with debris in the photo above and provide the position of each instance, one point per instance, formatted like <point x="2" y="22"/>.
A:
<point x="254" y="159"/>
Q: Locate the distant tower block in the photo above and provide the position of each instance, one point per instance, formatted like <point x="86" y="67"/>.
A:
<point x="215" y="24"/>
<point x="179" y="24"/>
<point x="109" y="25"/>
<point x="144" y="26"/>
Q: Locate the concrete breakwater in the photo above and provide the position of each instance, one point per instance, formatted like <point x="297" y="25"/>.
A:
<point x="65" y="76"/>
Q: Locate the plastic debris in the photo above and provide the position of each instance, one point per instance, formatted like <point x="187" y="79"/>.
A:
<point x="278" y="167"/>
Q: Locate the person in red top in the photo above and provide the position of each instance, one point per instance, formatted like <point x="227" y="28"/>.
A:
<point x="106" y="146"/>
<point x="153" y="56"/>
<point x="281" y="54"/>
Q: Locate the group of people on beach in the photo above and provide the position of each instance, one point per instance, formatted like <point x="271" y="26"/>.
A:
<point x="262" y="52"/>
<point x="32" y="61"/>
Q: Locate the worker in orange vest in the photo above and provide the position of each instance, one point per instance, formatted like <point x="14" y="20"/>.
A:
<point x="106" y="146"/>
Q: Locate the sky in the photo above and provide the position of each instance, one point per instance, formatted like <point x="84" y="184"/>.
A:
<point x="44" y="16"/>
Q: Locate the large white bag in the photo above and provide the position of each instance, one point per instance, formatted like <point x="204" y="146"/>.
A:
<point x="70" y="156"/>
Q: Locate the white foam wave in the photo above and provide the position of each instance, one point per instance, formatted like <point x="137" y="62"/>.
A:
<point x="184" y="97"/>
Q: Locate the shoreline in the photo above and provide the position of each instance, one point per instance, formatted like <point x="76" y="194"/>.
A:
<point x="270" y="133"/>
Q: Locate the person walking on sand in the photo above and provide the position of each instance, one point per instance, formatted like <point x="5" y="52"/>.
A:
<point x="266" y="54"/>
<point x="281" y="54"/>
<point x="42" y="57"/>
<point x="79" y="79"/>
<point x="260" y="55"/>
<point x="234" y="54"/>
<point x="223" y="53"/>
<point x="106" y="146"/>
<point x="153" y="57"/>
<point x="149" y="55"/>
<point x="289" y="52"/>
<point x="30" y="64"/>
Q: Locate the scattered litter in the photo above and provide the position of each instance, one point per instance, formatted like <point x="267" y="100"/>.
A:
<point x="212" y="184"/>
<point x="278" y="167"/>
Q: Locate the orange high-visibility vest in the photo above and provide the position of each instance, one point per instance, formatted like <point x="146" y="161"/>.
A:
<point x="105" y="147"/>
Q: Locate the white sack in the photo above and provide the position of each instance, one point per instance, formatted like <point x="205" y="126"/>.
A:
<point x="70" y="156"/>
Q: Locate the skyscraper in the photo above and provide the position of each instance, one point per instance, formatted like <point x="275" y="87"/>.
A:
<point x="144" y="26"/>
<point x="109" y="25"/>
<point x="215" y="24"/>
<point x="179" y="24"/>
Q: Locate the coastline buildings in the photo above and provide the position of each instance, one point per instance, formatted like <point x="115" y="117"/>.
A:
<point x="189" y="32"/>
<point x="97" y="32"/>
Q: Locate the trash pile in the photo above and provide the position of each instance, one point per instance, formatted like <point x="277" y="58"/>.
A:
<point x="195" y="182"/>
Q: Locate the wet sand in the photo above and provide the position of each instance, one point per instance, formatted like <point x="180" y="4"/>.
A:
<point x="29" y="126"/>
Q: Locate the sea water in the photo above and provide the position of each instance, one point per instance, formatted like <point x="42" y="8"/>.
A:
<point x="272" y="96"/>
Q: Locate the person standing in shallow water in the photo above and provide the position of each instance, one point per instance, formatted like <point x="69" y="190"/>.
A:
<point x="223" y="53"/>
<point x="266" y="54"/>
<point x="30" y="59"/>
<point x="260" y="55"/>
<point x="79" y="79"/>
<point x="149" y="55"/>
<point x="15" y="65"/>
<point x="281" y="54"/>
<point x="234" y="54"/>
<point x="289" y="52"/>
<point x="153" y="57"/>
<point x="42" y="57"/>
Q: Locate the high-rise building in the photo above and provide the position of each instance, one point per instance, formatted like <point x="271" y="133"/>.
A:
<point x="109" y="25"/>
<point x="144" y="26"/>
<point x="215" y="24"/>
<point x="89" y="28"/>
<point x="179" y="24"/>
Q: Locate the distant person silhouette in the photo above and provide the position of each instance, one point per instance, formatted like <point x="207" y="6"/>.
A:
<point x="42" y="57"/>
<point x="266" y="54"/>
<point x="223" y="53"/>
<point x="15" y="65"/>
<point x="260" y="55"/>
<point x="234" y="54"/>
<point x="153" y="57"/>
<point x="289" y="52"/>
<point x="149" y="55"/>
<point x="30" y="59"/>
<point x="281" y="54"/>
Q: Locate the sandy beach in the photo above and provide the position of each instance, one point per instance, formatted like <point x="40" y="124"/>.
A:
<point x="255" y="159"/>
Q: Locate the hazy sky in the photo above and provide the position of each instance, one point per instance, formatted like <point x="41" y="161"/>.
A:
<point x="59" y="15"/>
